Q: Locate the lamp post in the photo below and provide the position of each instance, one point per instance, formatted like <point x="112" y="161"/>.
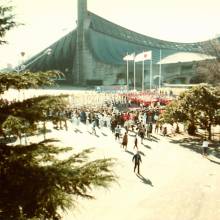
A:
<point x="24" y="66"/>
<point x="21" y="66"/>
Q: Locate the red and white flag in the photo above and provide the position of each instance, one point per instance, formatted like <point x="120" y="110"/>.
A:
<point x="129" y="57"/>
<point x="146" y="55"/>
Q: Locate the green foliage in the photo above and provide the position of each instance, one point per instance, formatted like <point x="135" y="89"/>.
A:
<point x="14" y="116"/>
<point x="7" y="21"/>
<point x="35" y="183"/>
<point x="173" y="113"/>
<point x="15" y="126"/>
<point x="198" y="106"/>
<point x="209" y="70"/>
<point x="34" y="109"/>
<point x="26" y="80"/>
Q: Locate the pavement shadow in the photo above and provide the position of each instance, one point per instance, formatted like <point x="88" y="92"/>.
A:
<point x="141" y="153"/>
<point x="153" y="138"/>
<point x="90" y="132"/>
<point x="104" y="134"/>
<point x="213" y="161"/>
<point x="194" y="144"/>
<point x="147" y="146"/>
<point x="145" y="180"/>
<point x="93" y="134"/>
<point x="76" y="130"/>
<point x="129" y="152"/>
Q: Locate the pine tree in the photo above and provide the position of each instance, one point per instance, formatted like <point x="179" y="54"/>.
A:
<point x="34" y="183"/>
<point x="7" y="21"/>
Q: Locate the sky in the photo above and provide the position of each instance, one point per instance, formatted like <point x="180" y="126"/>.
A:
<point x="46" y="21"/>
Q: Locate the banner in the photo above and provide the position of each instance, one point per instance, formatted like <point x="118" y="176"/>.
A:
<point x="146" y="55"/>
<point x="129" y="57"/>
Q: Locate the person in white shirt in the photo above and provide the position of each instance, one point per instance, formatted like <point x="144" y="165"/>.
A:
<point x="205" y="145"/>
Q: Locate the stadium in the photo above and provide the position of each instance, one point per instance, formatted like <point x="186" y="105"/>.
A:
<point x="92" y="55"/>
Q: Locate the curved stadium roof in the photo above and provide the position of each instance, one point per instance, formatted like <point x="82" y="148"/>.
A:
<point x="185" y="57"/>
<point x="61" y="57"/>
<point x="109" y="43"/>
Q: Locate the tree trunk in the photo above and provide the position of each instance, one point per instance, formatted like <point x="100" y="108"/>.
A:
<point x="44" y="129"/>
<point x="191" y="129"/>
<point x="209" y="129"/>
<point x="177" y="128"/>
<point x="20" y="138"/>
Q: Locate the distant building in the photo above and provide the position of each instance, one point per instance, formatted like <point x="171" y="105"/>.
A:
<point x="92" y="54"/>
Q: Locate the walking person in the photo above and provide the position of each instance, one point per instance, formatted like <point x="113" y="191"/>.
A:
<point x="93" y="127"/>
<point x="137" y="160"/>
<point x="149" y="130"/>
<point x="205" y="145"/>
<point x="117" y="132"/>
<point x="142" y="131"/>
<point x="136" y="142"/>
<point x="165" y="131"/>
<point x="156" y="127"/>
<point x="125" y="141"/>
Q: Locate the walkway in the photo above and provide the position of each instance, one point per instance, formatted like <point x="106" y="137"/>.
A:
<point x="175" y="183"/>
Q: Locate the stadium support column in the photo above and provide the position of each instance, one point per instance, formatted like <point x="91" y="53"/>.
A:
<point x="80" y="62"/>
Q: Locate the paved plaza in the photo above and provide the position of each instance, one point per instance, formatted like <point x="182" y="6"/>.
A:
<point x="175" y="182"/>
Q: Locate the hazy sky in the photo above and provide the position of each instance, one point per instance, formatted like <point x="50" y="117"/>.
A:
<point x="48" y="20"/>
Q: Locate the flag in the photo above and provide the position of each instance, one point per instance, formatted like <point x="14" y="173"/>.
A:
<point x="129" y="57"/>
<point x="146" y="55"/>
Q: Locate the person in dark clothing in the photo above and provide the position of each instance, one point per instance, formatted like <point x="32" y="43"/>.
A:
<point x="142" y="133"/>
<point x="149" y="130"/>
<point x="83" y="117"/>
<point x="137" y="159"/>
<point x="125" y="141"/>
<point x="164" y="131"/>
<point x="156" y="127"/>
<point x="97" y="121"/>
<point x="117" y="133"/>
<point x="136" y="142"/>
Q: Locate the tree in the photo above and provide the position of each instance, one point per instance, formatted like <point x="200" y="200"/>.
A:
<point x="198" y="106"/>
<point x="34" y="183"/>
<point x="16" y="126"/>
<point x="209" y="70"/>
<point x="173" y="113"/>
<point x="7" y="21"/>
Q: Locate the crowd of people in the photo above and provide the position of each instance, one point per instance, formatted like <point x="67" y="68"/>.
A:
<point x="116" y="112"/>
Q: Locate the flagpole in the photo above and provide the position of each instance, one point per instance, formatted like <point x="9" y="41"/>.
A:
<point x="127" y="75"/>
<point x="160" y="70"/>
<point x="143" y="77"/>
<point x="150" y="74"/>
<point x="134" y="73"/>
